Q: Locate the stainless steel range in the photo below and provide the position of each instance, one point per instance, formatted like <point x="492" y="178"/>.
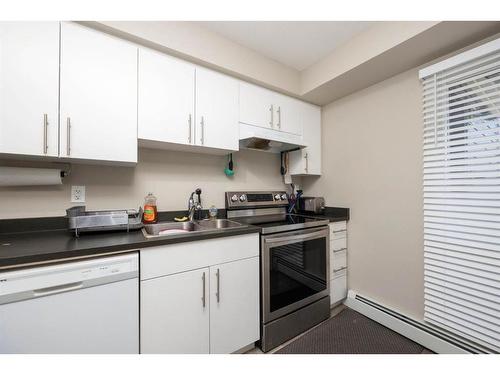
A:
<point x="294" y="251"/>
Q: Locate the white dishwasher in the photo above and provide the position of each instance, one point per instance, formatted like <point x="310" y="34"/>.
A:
<point x="89" y="306"/>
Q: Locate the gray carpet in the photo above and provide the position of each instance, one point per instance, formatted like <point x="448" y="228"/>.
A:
<point x="351" y="333"/>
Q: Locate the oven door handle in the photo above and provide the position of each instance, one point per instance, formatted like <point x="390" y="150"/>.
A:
<point x="298" y="237"/>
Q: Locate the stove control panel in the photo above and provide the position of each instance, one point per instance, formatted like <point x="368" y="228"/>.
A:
<point x="250" y="199"/>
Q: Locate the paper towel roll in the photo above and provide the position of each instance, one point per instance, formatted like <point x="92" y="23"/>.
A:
<point x="14" y="176"/>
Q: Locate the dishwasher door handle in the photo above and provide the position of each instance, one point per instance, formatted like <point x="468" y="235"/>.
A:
<point x="57" y="289"/>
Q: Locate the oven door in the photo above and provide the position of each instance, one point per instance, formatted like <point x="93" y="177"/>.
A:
<point x="295" y="269"/>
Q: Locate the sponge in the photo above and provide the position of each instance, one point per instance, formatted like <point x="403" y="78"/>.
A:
<point x="184" y="218"/>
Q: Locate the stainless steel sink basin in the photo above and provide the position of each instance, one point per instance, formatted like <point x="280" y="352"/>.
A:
<point x="172" y="228"/>
<point x="219" y="224"/>
<point x="165" y="229"/>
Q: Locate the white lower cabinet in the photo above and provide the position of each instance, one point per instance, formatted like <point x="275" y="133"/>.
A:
<point x="338" y="262"/>
<point x="234" y="305"/>
<point x="175" y="313"/>
<point x="338" y="291"/>
<point x="186" y="308"/>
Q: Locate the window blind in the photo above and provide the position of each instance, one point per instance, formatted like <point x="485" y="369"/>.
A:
<point x="461" y="175"/>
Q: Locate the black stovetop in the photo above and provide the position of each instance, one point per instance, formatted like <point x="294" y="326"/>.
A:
<point x="281" y="222"/>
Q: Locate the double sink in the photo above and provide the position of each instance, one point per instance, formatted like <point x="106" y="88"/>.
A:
<point x="173" y="228"/>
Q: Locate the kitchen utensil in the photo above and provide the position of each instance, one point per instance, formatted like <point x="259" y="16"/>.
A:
<point x="229" y="169"/>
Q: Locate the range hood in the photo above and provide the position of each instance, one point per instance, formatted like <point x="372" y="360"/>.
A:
<point x="268" y="140"/>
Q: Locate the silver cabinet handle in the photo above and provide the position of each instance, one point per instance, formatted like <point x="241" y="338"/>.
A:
<point x="45" y="138"/>
<point x="339" y="250"/>
<point x="306" y="156"/>
<point x="279" y="117"/>
<point x="322" y="233"/>
<point x="271" y="109"/>
<point x="339" y="269"/>
<point x="190" y="128"/>
<point x="217" y="294"/>
<point x="203" y="299"/>
<point x="68" y="136"/>
<point x="57" y="289"/>
<point x="202" y="123"/>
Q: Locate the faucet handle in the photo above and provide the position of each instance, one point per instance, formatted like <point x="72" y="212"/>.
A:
<point x="198" y="193"/>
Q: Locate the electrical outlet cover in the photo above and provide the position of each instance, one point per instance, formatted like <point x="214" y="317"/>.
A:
<point x="77" y="194"/>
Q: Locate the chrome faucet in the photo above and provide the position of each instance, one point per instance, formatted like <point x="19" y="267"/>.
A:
<point x="193" y="205"/>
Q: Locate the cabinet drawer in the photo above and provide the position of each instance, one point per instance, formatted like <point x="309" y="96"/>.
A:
<point x="337" y="235"/>
<point x="338" y="244"/>
<point x="169" y="259"/>
<point x="339" y="261"/>
<point x="338" y="226"/>
<point x="338" y="289"/>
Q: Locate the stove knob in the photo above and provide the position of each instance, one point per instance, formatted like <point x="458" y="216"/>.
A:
<point x="283" y="197"/>
<point x="243" y="198"/>
<point x="234" y="198"/>
<point x="277" y="197"/>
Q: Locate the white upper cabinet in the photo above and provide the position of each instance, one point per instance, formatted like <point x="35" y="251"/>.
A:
<point x="287" y="116"/>
<point x="256" y="106"/>
<point x="307" y="161"/>
<point x="98" y="96"/>
<point x="181" y="105"/>
<point x="29" y="88"/>
<point x="268" y="109"/>
<point x="216" y="110"/>
<point x="166" y="99"/>
<point x="76" y="93"/>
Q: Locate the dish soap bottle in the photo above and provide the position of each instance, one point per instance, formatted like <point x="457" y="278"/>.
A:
<point x="150" y="215"/>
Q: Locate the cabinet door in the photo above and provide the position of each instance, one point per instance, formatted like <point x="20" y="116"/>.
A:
<point x="308" y="160"/>
<point x="216" y="110"/>
<point x="234" y="305"/>
<point x="166" y="98"/>
<point x="175" y="313"/>
<point x="288" y="114"/>
<point x="29" y="88"/>
<point x="311" y="121"/>
<point x="256" y="106"/>
<point x="98" y="96"/>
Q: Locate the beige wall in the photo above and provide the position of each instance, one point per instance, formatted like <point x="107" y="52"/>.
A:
<point x="360" y="49"/>
<point x="171" y="176"/>
<point x="200" y="45"/>
<point x="372" y="162"/>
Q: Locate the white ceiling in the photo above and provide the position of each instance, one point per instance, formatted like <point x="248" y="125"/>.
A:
<point x="297" y="44"/>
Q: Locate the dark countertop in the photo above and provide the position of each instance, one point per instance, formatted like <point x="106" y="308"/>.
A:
<point x="19" y="249"/>
<point x="331" y="213"/>
<point x="27" y="241"/>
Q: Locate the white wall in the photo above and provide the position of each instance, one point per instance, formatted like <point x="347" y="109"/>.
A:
<point x="171" y="176"/>
<point x="372" y="163"/>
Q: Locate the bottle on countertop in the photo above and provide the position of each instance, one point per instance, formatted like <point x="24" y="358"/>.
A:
<point x="150" y="215"/>
<point x="212" y="212"/>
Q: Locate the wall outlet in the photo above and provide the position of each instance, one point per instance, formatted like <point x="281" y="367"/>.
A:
<point x="77" y="194"/>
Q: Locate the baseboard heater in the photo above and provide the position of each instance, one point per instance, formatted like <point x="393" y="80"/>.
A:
<point x="424" y="334"/>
